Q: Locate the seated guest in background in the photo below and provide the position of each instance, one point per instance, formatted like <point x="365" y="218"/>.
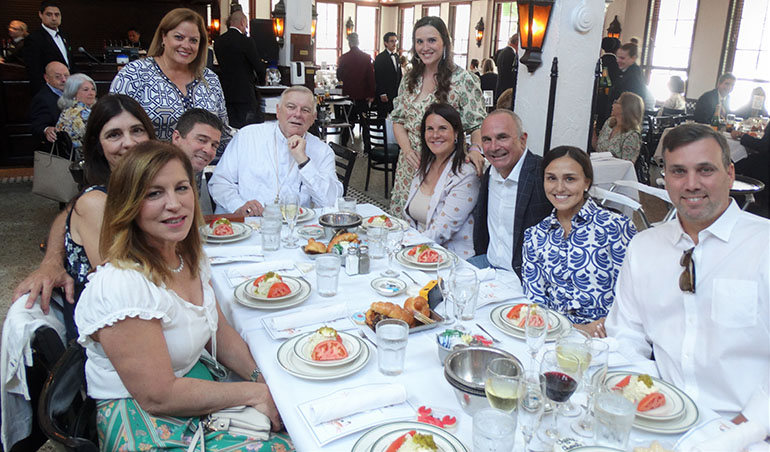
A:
<point x="474" y="67"/>
<point x="511" y="196"/>
<point x="630" y="78"/>
<point x="264" y="161"/>
<point x="115" y="125"/>
<point x="621" y="134"/>
<point x="17" y="30"/>
<point x="755" y="107"/>
<point x="77" y="98"/>
<point x="135" y="38"/>
<point x="697" y="289"/>
<point x="43" y="110"/>
<point x="707" y="103"/>
<point x="583" y="288"/>
<point x="676" y="100"/>
<point x="444" y="190"/>
<point x="488" y="76"/>
<point x="173" y="78"/>
<point x="505" y="99"/>
<point x="148" y="313"/>
<point x="756" y="165"/>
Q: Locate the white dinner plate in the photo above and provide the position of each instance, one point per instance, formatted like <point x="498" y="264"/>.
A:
<point x="496" y="316"/>
<point x="241" y="297"/>
<point x="379" y="438"/>
<point x="679" y="425"/>
<point x="305" y="214"/>
<point x="553" y="320"/>
<point x="442" y="255"/>
<point x="447" y="262"/>
<point x="673" y="409"/>
<point x="289" y="361"/>
<point x="293" y="283"/>
<point x="240" y="232"/>
<point x="397" y="223"/>
<point x="352" y="344"/>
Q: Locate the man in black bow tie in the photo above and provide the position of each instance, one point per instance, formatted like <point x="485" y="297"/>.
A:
<point x="46" y="44"/>
<point x="387" y="74"/>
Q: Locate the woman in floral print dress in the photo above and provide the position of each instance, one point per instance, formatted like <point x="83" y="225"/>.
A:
<point x="434" y="78"/>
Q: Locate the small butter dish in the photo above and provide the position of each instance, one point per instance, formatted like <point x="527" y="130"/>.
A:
<point x="388" y="287"/>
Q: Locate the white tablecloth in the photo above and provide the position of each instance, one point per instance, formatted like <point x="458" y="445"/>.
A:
<point x="608" y="169"/>
<point x="423" y="376"/>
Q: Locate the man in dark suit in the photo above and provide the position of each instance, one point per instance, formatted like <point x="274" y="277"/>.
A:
<point x="356" y="72"/>
<point x="387" y="74"/>
<point x="46" y="44"/>
<point x="511" y="197"/>
<point x="707" y="103"/>
<point x="241" y="70"/>
<point x="630" y="78"/>
<point x="43" y="111"/>
<point x="507" y="66"/>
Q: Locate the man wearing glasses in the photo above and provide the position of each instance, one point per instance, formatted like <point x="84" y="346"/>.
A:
<point x="696" y="290"/>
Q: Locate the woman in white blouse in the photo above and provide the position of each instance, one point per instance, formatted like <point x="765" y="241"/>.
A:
<point x="444" y="190"/>
<point x="147" y="314"/>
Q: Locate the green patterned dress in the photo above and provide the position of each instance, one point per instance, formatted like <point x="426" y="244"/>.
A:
<point x="465" y="96"/>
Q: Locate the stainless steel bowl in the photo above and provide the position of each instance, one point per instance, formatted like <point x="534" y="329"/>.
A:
<point x="465" y="370"/>
<point x="341" y="220"/>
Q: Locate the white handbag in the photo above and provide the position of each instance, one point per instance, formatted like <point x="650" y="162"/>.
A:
<point x="238" y="420"/>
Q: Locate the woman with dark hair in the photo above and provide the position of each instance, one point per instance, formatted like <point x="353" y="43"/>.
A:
<point x="434" y="77"/>
<point x="174" y="78"/>
<point x="444" y="191"/>
<point x="621" y="134"/>
<point x="676" y="100"/>
<point x="148" y="313"/>
<point x="75" y="103"/>
<point x="573" y="257"/>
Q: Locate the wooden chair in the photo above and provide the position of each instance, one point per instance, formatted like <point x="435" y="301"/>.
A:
<point x="382" y="156"/>
<point x="345" y="158"/>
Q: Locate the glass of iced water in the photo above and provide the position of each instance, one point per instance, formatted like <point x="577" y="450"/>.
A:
<point x="327" y="269"/>
<point x="392" y="336"/>
<point x="376" y="237"/>
<point x="346" y="204"/>
<point x="613" y="418"/>
<point x="493" y="431"/>
<point x="464" y="285"/>
<point x="271" y="227"/>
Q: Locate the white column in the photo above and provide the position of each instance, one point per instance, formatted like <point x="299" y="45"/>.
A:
<point x="574" y="37"/>
<point x="298" y="19"/>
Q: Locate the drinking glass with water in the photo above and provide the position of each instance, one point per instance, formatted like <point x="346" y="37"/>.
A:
<point x="392" y="336"/>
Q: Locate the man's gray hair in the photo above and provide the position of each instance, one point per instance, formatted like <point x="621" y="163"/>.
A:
<point x="353" y="40"/>
<point x="298" y="89"/>
<point x="71" y="87"/>
<point x="514" y="116"/>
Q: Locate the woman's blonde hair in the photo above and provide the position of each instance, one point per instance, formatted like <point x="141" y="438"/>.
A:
<point x="122" y="242"/>
<point x="632" y="108"/>
<point x="172" y="20"/>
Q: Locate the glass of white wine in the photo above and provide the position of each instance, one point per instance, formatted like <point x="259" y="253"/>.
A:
<point x="290" y="210"/>
<point x="502" y="384"/>
<point x="536" y="329"/>
<point x="573" y="349"/>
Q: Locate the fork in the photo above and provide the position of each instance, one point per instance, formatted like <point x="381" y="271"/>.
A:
<point x="366" y="338"/>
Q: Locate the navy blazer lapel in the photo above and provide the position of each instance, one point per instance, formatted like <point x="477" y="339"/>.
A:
<point x="524" y="190"/>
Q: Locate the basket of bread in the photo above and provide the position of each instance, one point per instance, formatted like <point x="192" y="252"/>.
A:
<point x="415" y="312"/>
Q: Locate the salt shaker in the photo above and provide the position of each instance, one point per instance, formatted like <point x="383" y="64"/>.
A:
<point x="351" y="260"/>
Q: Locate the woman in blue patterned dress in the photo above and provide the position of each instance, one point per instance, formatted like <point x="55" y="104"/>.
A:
<point x="572" y="258"/>
<point x="174" y="78"/>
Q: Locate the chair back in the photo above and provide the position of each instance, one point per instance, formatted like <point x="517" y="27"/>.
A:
<point x="344" y="158"/>
<point x="376" y="137"/>
<point x="66" y="414"/>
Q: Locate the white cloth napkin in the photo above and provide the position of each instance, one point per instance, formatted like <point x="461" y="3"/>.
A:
<point x="486" y="274"/>
<point x="355" y="400"/>
<point x="229" y="254"/>
<point x="724" y="436"/>
<point x="602" y="156"/>
<point x="308" y="316"/>
<point x="241" y="273"/>
<point x="412" y="238"/>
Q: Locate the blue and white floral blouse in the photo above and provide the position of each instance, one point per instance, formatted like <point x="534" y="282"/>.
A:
<point x="576" y="275"/>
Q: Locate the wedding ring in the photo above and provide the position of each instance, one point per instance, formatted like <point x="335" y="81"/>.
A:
<point x="248" y="210"/>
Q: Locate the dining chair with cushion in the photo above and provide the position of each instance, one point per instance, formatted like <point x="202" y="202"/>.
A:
<point x="344" y="158"/>
<point x="381" y="154"/>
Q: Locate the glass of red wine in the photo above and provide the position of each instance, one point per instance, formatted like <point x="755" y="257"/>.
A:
<point x="562" y="376"/>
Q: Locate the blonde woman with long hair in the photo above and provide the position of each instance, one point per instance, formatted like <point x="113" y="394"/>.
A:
<point x="621" y="134"/>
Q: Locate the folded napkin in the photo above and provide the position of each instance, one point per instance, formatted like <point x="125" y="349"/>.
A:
<point x="241" y="273"/>
<point x="229" y="254"/>
<point x="308" y="316"/>
<point x="412" y="238"/>
<point x="486" y="274"/>
<point x="355" y="400"/>
<point x="498" y="285"/>
<point x="602" y="156"/>
<point x="733" y="440"/>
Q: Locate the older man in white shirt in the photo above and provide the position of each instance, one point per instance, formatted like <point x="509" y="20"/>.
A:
<point x="265" y="161"/>
<point x="696" y="290"/>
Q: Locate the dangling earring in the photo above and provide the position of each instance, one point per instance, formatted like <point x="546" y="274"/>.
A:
<point x="444" y="57"/>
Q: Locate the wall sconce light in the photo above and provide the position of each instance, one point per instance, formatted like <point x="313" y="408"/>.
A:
<point x="613" y="31"/>
<point x="313" y="22"/>
<point x="349" y="25"/>
<point x="479" y="31"/>
<point x="214" y="26"/>
<point x="533" y="26"/>
<point x="279" y="21"/>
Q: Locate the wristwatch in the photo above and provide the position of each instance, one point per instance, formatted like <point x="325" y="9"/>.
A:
<point x="302" y="165"/>
<point x="255" y="375"/>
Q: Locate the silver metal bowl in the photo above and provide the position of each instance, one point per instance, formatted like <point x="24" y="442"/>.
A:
<point x="341" y="220"/>
<point x="465" y="370"/>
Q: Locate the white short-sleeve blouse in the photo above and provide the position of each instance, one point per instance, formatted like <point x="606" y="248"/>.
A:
<point x="113" y="294"/>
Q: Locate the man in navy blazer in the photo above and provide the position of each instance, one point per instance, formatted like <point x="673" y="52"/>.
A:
<point x="511" y="197"/>
<point x="46" y="44"/>
<point x="43" y="110"/>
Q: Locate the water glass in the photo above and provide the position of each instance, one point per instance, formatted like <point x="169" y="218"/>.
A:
<point x="531" y="404"/>
<point x="393" y="244"/>
<point x="614" y="416"/>
<point x="464" y="285"/>
<point x="502" y="384"/>
<point x="493" y="431"/>
<point x="392" y="336"/>
<point x="271" y="227"/>
<point x="376" y="237"/>
<point x="593" y="377"/>
<point x="327" y="269"/>
<point x="346" y="204"/>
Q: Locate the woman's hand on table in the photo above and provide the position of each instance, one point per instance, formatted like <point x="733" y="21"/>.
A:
<point x="594" y="329"/>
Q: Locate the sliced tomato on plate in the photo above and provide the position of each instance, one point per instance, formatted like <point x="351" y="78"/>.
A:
<point x="278" y="289"/>
<point x="623" y="383"/>
<point x="428" y="256"/>
<point x="515" y="311"/>
<point x="651" y="401"/>
<point x="330" y="350"/>
<point x="416" y="250"/>
<point x="536" y="321"/>
<point x="223" y="229"/>
<point x="266" y="276"/>
<point x="395" y="445"/>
